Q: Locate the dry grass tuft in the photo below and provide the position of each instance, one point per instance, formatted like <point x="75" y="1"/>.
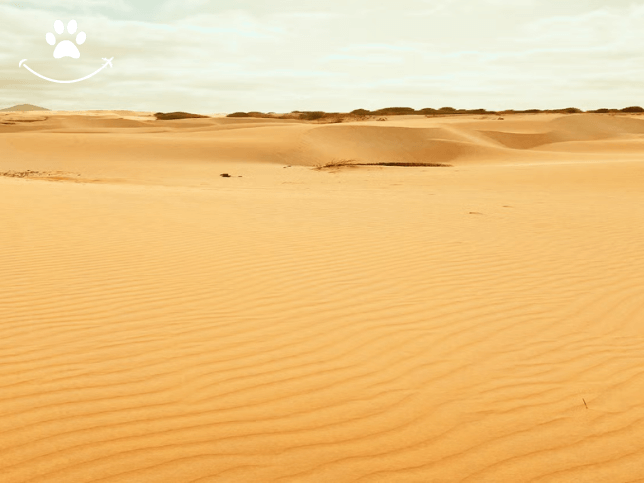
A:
<point x="336" y="164"/>
<point x="22" y="174"/>
<point x="409" y="165"/>
<point x="352" y="163"/>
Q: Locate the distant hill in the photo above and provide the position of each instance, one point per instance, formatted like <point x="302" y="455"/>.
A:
<point x="24" y="107"/>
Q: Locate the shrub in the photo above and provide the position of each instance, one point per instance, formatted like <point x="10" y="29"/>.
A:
<point x="238" y="114"/>
<point x="361" y="112"/>
<point x="312" y="116"/>
<point x="395" y="111"/>
<point x="633" y="109"/>
<point x="447" y="109"/>
<point x="290" y="115"/>
<point x="478" y="111"/>
<point x="176" y="115"/>
<point x="601" y="111"/>
<point x="570" y="110"/>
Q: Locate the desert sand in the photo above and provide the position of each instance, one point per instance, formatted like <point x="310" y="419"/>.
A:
<point x="476" y="323"/>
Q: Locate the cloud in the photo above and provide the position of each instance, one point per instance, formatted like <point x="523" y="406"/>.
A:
<point x="210" y="56"/>
<point x="74" y="6"/>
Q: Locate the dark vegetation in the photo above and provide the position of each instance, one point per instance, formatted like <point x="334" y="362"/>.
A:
<point x="351" y="163"/>
<point x="312" y="116"/>
<point x="408" y="165"/>
<point x="568" y="110"/>
<point x="365" y="114"/>
<point x="176" y="115"/>
<point x="633" y="109"/>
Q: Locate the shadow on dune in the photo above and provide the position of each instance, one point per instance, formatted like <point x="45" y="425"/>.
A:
<point x="581" y="127"/>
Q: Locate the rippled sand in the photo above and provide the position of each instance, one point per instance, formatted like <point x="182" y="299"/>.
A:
<point x="479" y="323"/>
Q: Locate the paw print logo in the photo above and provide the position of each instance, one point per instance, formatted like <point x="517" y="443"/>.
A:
<point x="66" y="48"/>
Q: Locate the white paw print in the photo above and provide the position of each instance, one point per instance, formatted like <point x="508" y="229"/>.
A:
<point x="66" y="48"/>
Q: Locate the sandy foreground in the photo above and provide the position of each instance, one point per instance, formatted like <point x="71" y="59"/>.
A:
<point x="477" y="323"/>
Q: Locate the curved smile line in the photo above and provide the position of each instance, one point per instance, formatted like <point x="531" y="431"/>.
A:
<point x="107" y="62"/>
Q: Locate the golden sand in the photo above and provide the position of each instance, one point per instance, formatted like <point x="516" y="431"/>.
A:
<point x="479" y="323"/>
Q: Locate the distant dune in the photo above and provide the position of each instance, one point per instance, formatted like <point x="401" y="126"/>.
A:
<point x="477" y="323"/>
<point x="24" y="107"/>
<point x="457" y="140"/>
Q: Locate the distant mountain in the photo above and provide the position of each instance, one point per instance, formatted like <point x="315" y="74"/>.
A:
<point x="24" y="107"/>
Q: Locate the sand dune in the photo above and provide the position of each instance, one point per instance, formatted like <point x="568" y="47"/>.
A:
<point x="23" y="107"/>
<point x="480" y="323"/>
<point x="116" y="139"/>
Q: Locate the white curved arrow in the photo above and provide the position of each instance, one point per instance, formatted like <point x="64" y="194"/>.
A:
<point x="107" y="62"/>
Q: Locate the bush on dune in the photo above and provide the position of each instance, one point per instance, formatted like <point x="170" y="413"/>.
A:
<point x="570" y="110"/>
<point x="177" y="115"/>
<point x="477" y="111"/>
<point x="312" y="115"/>
<point x="365" y="114"/>
<point x="290" y="115"/>
<point x="633" y="109"/>
<point x="394" y="111"/>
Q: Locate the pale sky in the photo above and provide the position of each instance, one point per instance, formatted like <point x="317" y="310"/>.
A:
<point x="210" y="56"/>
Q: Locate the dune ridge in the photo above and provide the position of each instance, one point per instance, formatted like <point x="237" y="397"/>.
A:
<point x="479" y="323"/>
<point x="123" y="144"/>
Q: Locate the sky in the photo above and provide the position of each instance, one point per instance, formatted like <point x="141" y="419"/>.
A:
<point x="217" y="56"/>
